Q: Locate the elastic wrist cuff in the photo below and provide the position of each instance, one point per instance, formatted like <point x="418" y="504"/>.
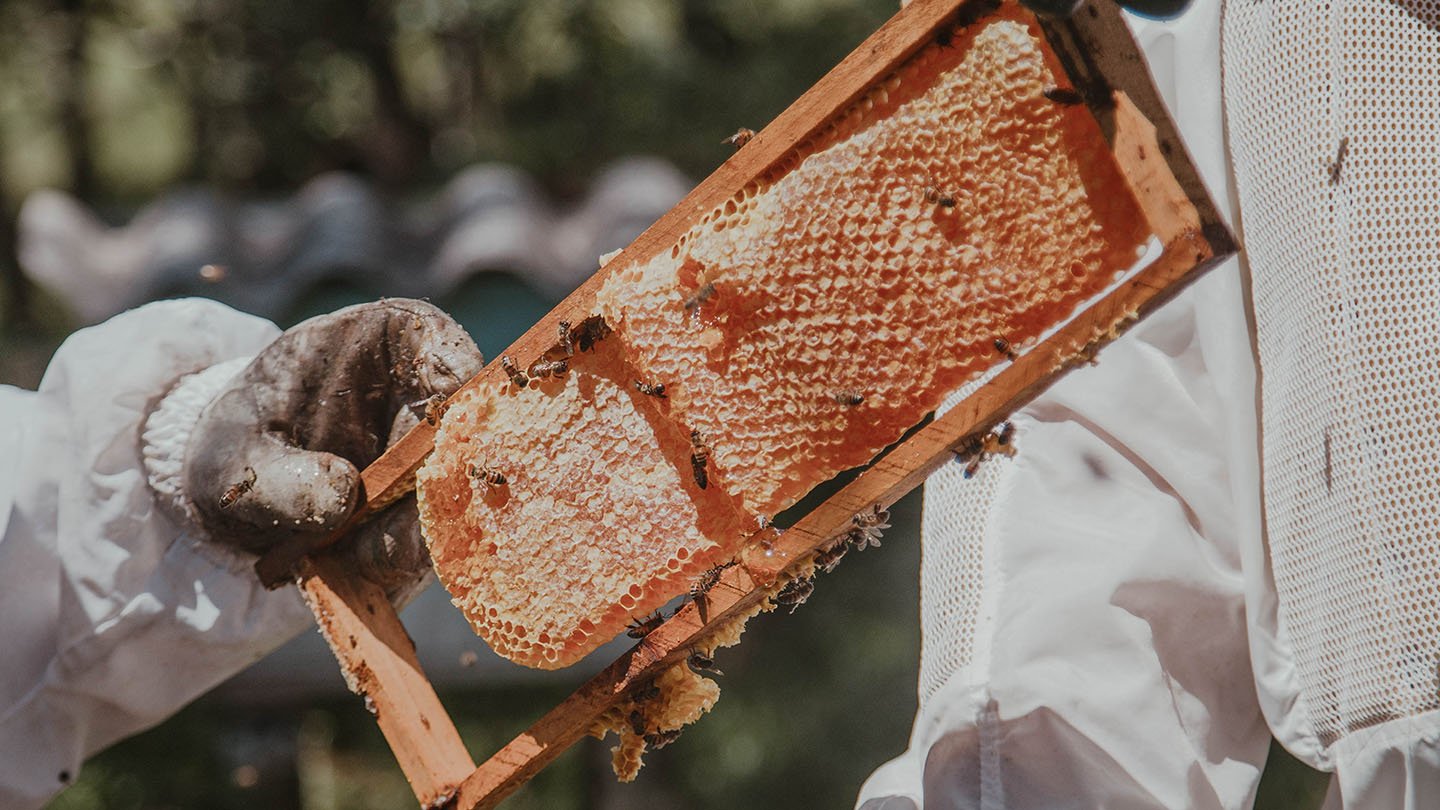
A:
<point x="167" y="433"/>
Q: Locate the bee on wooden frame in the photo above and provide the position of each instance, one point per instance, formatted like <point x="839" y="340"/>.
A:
<point x="741" y="137"/>
<point x="640" y="628"/>
<point x="507" y="365"/>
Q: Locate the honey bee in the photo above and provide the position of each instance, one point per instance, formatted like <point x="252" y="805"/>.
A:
<point x="434" y="409"/>
<point x="699" y="455"/>
<point x="795" y="592"/>
<point x="972" y="467"/>
<point x="829" y="559"/>
<point x="1339" y="162"/>
<point x="741" y="137"/>
<point x="592" y="330"/>
<point x="641" y="628"/>
<point x="1067" y="96"/>
<point x="1004" y="434"/>
<point x="848" y="397"/>
<point x="1003" y="346"/>
<point x="646" y="693"/>
<point x="508" y="366"/>
<point x="237" y="489"/>
<point x="489" y="477"/>
<point x="701" y="663"/>
<point x="545" y="369"/>
<point x="943" y="199"/>
<point x="637" y="722"/>
<point x="868" y="527"/>
<point x="655" y="390"/>
<point x="707" y="580"/>
<point x="698" y="298"/>
<point x="567" y="342"/>
<point x="660" y="739"/>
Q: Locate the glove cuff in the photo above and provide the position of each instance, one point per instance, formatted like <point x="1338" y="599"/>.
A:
<point x="166" y="434"/>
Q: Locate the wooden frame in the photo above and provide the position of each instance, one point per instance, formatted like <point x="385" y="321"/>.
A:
<point x="1096" y="51"/>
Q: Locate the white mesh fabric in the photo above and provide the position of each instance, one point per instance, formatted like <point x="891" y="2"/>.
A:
<point x="952" y="575"/>
<point x="1346" y="271"/>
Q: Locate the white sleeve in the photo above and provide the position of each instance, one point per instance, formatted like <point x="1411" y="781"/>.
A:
<point x="1334" y="118"/>
<point x="1083" y="604"/>
<point x="112" y="617"/>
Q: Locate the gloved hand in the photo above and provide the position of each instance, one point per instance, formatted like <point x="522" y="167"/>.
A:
<point x="277" y="454"/>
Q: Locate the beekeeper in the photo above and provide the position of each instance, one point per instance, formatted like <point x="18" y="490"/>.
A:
<point x="1231" y="527"/>
<point x="161" y="452"/>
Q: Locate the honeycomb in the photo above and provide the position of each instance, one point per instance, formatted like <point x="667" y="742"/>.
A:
<point x="598" y="521"/>
<point x="798" y="329"/>
<point x="816" y="316"/>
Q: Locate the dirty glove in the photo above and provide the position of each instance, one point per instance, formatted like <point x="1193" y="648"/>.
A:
<point x="276" y="453"/>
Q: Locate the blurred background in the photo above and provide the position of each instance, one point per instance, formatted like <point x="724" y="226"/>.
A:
<point x="289" y="159"/>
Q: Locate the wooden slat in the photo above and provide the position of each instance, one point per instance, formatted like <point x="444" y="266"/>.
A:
<point x="1096" y="51"/>
<point x="378" y="660"/>
<point x="1187" y="254"/>
<point x="393" y="473"/>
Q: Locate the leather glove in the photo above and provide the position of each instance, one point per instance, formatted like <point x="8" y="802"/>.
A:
<point x="278" y="452"/>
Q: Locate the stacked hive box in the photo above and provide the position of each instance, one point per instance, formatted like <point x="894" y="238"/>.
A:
<point x="798" y="329"/>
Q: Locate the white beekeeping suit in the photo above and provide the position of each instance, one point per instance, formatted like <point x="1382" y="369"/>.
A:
<point x="120" y="601"/>
<point x="1107" y="620"/>
<point x="111" y="619"/>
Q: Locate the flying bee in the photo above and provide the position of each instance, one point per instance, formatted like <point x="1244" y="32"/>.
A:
<point x="543" y="369"/>
<point x="660" y="739"/>
<point x="848" y="398"/>
<point x="698" y="298"/>
<point x="1003" y="346"/>
<point x="1339" y="162"/>
<point x="592" y="330"/>
<point x="489" y="477"/>
<point x="699" y="456"/>
<point x="239" y="488"/>
<point x="795" y="592"/>
<point x="641" y="628"/>
<point x="651" y="390"/>
<point x="701" y="663"/>
<point x="943" y="199"/>
<point x="741" y="137"/>
<point x="1067" y="96"/>
<point x="508" y="366"/>
<point x="829" y="559"/>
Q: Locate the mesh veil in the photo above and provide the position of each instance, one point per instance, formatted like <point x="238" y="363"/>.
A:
<point x="1334" y="117"/>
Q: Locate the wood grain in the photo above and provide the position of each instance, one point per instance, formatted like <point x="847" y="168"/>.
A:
<point x="378" y="660"/>
<point x="1186" y="254"/>
<point x="1095" y="50"/>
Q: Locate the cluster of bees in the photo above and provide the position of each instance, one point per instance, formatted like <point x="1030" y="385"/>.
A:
<point x="555" y="362"/>
<point x="975" y="449"/>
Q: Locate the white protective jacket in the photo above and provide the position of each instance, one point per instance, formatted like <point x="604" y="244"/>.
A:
<point x="1107" y="621"/>
<point x="112" y="619"/>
